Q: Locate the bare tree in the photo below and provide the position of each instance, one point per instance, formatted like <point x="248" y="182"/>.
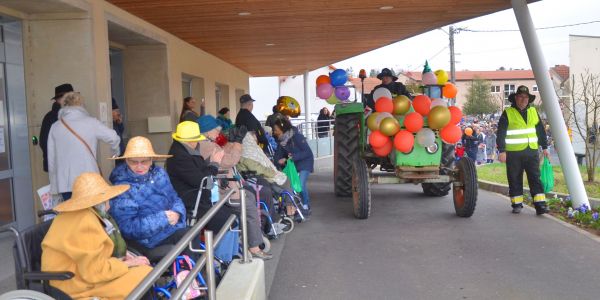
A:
<point x="584" y="111"/>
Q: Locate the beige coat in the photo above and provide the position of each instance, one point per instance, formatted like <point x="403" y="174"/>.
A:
<point x="77" y="242"/>
<point x="233" y="152"/>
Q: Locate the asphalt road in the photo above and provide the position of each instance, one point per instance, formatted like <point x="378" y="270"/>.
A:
<point x="414" y="247"/>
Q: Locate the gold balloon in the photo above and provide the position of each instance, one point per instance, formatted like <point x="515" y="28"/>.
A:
<point x="389" y="126"/>
<point x="439" y="116"/>
<point x="288" y="106"/>
<point x="401" y="104"/>
<point x="372" y="122"/>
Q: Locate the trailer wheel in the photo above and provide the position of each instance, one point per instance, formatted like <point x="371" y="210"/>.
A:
<point x="465" y="188"/>
<point x="361" y="190"/>
<point x="441" y="189"/>
<point x="345" y="149"/>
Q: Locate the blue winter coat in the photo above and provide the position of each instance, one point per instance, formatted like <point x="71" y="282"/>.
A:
<point x="301" y="153"/>
<point x="140" y="212"/>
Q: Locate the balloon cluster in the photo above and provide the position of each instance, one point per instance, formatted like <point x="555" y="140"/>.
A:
<point x="331" y="88"/>
<point x="399" y="122"/>
<point x="288" y="106"/>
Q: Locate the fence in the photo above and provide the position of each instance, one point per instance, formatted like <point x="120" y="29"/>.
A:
<point x="319" y="135"/>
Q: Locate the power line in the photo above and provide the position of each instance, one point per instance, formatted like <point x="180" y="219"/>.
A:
<point x="541" y="28"/>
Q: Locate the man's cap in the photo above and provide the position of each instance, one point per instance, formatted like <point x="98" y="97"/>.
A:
<point x="62" y="89"/>
<point x="386" y="73"/>
<point x="246" y="98"/>
<point x="521" y="90"/>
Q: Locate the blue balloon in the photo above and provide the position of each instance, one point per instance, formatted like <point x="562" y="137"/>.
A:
<point x="338" y="77"/>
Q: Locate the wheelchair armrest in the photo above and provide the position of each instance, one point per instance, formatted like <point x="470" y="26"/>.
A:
<point x="45" y="212"/>
<point x="40" y="276"/>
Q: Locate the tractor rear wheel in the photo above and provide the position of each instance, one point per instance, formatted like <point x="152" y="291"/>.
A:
<point x="465" y="188"/>
<point x="361" y="190"/>
<point x="443" y="188"/>
<point x="347" y="134"/>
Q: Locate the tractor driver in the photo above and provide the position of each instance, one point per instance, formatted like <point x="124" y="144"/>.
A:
<point x="388" y="81"/>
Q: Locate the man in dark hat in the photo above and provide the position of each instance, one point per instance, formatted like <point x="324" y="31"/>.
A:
<point x="388" y="81"/>
<point x="246" y="118"/>
<point x="51" y="117"/>
<point x="520" y="135"/>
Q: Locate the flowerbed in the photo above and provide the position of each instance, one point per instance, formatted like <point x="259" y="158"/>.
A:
<point x="584" y="216"/>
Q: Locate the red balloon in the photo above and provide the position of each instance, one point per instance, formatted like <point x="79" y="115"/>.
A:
<point x="404" y="141"/>
<point x="450" y="90"/>
<point x="384" y="104"/>
<point x="451" y="134"/>
<point x="323" y="79"/>
<point x="413" y="122"/>
<point x="377" y="139"/>
<point x="455" y="115"/>
<point x="385" y="150"/>
<point x="422" y="104"/>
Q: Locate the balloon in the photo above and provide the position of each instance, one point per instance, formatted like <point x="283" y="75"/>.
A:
<point x="401" y="105"/>
<point x="438" y="102"/>
<point x="333" y="100"/>
<point x="435" y="92"/>
<point x="439" y="117"/>
<point x="288" y="106"/>
<point x="450" y="90"/>
<point x="382" y="92"/>
<point x="323" y="79"/>
<point x="372" y="123"/>
<point x="429" y="78"/>
<point x="338" y="77"/>
<point x="469" y="131"/>
<point x="380" y="117"/>
<point x="425" y="137"/>
<point x="389" y="126"/>
<point x="404" y="141"/>
<point x="455" y="114"/>
<point x="413" y="122"/>
<point x="384" y="105"/>
<point x="377" y="139"/>
<point x="422" y="104"/>
<point x="442" y="76"/>
<point x="342" y="93"/>
<point x="450" y="134"/>
<point x="324" y="90"/>
<point x="384" y="150"/>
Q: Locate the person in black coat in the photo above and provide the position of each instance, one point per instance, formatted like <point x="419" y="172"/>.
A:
<point x="246" y="118"/>
<point x="324" y="121"/>
<point x="388" y="81"/>
<point x="51" y="117"/>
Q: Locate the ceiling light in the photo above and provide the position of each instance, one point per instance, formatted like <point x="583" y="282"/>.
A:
<point x="244" y="13"/>
<point x="269" y="44"/>
<point x="388" y="7"/>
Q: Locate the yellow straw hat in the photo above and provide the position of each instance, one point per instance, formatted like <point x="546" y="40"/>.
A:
<point x="89" y="190"/>
<point x="188" y="131"/>
<point x="140" y="146"/>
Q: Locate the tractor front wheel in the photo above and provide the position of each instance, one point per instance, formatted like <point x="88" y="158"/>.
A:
<point x="441" y="189"/>
<point x="465" y="188"/>
<point x="361" y="190"/>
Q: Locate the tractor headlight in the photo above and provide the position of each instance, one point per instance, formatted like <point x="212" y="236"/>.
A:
<point x="432" y="149"/>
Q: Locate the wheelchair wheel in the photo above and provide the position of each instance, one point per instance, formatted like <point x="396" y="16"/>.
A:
<point x="266" y="244"/>
<point x="288" y="223"/>
<point x="25" y="295"/>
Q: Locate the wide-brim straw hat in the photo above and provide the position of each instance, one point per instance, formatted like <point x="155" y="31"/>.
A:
<point x="140" y="146"/>
<point x="90" y="189"/>
<point x="188" y="131"/>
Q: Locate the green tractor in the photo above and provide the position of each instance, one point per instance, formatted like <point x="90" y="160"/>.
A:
<point x="356" y="167"/>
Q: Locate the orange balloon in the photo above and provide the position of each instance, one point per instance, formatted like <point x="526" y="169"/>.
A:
<point x="422" y="104"/>
<point x="451" y="134"/>
<point x="385" y="150"/>
<point x="404" y="141"/>
<point x="469" y="131"/>
<point x="450" y="90"/>
<point x="455" y="115"/>
<point x="413" y="122"/>
<point x="323" y="79"/>
<point x="384" y="104"/>
<point x="377" y="139"/>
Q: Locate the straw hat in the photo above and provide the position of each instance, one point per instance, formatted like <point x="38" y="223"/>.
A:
<point x="140" y="146"/>
<point x="90" y="189"/>
<point x="188" y="131"/>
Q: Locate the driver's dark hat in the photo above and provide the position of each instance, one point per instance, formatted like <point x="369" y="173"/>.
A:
<point x="521" y="90"/>
<point x="386" y="72"/>
<point x="62" y="89"/>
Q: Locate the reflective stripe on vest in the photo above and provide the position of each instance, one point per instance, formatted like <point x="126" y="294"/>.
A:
<point x="519" y="134"/>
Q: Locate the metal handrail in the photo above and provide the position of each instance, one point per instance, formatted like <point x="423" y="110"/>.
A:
<point x="194" y="231"/>
<point x="311" y="129"/>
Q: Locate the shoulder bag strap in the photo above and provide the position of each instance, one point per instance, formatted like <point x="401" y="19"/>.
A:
<point x="83" y="142"/>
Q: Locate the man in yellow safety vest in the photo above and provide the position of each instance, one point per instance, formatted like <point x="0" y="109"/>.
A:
<point x="520" y="135"/>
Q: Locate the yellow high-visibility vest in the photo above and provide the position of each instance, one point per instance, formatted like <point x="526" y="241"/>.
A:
<point x="519" y="134"/>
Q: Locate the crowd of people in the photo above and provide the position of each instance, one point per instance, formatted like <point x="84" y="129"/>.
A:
<point x="145" y="206"/>
<point x="478" y="142"/>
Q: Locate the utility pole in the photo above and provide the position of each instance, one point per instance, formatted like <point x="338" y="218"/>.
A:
<point x="452" y="58"/>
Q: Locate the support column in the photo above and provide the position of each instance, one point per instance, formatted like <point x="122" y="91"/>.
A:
<point x="307" y="104"/>
<point x="550" y="103"/>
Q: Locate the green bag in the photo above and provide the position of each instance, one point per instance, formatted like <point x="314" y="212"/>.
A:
<point x="547" y="176"/>
<point x="292" y="174"/>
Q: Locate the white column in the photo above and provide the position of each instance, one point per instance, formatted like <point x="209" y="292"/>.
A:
<point x="551" y="104"/>
<point x="307" y="105"/>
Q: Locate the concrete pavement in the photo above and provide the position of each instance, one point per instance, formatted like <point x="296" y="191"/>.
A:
<point x="414" y="247"/>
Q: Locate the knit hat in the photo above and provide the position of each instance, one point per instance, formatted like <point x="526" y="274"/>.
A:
<point x="138" y="147"/>
<point x="90" y="189"/>
<point x="207" y="123"/>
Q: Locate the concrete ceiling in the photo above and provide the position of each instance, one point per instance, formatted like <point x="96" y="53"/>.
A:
<point x="281" y="37"/>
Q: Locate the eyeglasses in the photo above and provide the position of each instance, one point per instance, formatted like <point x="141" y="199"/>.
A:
<point x="139" y="162"/>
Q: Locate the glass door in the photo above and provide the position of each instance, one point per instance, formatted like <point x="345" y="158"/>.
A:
<point x="6" y="172"/>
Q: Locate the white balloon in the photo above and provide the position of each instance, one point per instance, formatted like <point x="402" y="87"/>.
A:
<point x="381" y="116"/>
<point x="381" y="92"/>
<point x="439" y="102"/>
<point x="425" y="137"/>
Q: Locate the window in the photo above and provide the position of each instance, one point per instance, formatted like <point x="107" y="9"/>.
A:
<point x="495" y="89"/>
<point x="186" y="87"/>
<point x="534" y="88"/>
<point x="508" y="89"/>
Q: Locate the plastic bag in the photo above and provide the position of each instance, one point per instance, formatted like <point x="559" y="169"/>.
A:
<point x="292" y="174"/>
<point x="547" y="176"/>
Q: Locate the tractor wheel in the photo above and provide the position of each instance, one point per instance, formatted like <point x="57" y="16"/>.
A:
<point x="345" y="149"/>
<point x="441" y="189"/>
<point x="361" y="190"/>
<point x="465" y="191"/>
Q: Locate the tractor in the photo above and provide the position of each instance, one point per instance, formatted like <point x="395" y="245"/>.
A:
<point x="357" y="167"/>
